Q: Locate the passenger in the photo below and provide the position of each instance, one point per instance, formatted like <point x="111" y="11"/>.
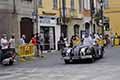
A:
<point x="76" y="41"/>
<point x="62" y="43"/>
<point x="87" y="40"/>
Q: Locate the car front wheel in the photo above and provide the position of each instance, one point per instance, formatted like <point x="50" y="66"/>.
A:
<point x="67" y="61"/>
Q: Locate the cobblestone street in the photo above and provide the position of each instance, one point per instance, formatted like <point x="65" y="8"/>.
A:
<point x="52" y="67"/>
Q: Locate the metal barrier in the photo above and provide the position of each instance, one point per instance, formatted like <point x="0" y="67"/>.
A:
<point x="116" y="42"/>
<point x="27" y="50"/>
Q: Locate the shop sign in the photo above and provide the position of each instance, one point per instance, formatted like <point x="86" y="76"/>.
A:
<point x="47" y="21"/>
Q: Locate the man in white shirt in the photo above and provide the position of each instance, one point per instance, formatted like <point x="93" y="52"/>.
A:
<point x="87" y="40"/>
<point x="12" y="43"/>
<point x="4" y="43"/>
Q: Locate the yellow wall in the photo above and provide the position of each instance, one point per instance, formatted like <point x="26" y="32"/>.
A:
<point x="48" y="8"/>
<point x="113" y="12"/>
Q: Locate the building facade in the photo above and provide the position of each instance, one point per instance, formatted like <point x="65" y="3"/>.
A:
<point x="51" y="18"/>
<point x="59" y="18"/>
<point x="66" y="18"/>
<point x="112" y="10"/>
<point x="16" y="17"/>
<point x="7" y="17"/>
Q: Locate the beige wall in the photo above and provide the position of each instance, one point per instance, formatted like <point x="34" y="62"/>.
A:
<point x="113" y="12"/>
<point x="48" y="8"/>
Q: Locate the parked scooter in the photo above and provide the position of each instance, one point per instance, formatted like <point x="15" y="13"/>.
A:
<point x="7" y="57"/>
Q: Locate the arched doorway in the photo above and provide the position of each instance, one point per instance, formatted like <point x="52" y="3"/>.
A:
<point x="76" y="29"/>
<point x="87" y="27"/>
<point x="26" y="27"/>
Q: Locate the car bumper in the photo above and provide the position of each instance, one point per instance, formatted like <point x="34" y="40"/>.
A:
<point x="66" y="58"/>
<point x="86" y="57"/>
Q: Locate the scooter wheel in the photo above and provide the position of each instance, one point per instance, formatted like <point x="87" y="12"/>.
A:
<point x="11" y="62"/>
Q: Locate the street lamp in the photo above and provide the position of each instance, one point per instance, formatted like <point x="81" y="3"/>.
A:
<point x="101" y="16"/>
<point x="35" y="14"/>
<point x="92" y="14"/>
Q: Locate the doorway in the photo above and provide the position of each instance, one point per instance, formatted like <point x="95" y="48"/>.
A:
<point x="26" y="28"/>
<point x="48" y="35"/>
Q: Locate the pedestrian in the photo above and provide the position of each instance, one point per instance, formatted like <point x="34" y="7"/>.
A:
<point x="4" y="43"/>
<point x="12" y="43"/>
<point x="111" y="39"/>
<point x="76" y="41"/>
<point x="62" y="43"/>
<point x="33" y="40"/>
<point x="66" y="42"/>
<point x="1" y="54"/>
<point x="41" y="44"/>
<point x="22" y="40"/>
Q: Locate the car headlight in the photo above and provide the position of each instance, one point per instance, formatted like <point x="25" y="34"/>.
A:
<point x="67" y="54"/>
<point x="88" y="51"/>
<point x="69" y="50"/>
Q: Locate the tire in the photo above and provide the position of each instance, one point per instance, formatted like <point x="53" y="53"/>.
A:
<point x="11" y="62"/>
<point x="67" y="61"/>
<point x="92" y="60"/>
<point x="93" y="54"/>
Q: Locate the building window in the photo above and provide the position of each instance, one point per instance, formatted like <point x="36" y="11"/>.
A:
<point x="80" y="6"/>
<point x="106" y="4"/>
<point x="72" y="5"/>
<point x="40" y="3"/>
<point x="27" y="0"/>
<point x="55" y="4"/>
<point x="86" y="4"/>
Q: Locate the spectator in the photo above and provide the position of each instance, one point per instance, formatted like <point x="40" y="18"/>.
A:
<point x="1" y="54"/>
<point x="23" y="40"/>
<point x="61" y="43"/>
<point x="41" y="42"/>
<point x="116" y="35"/>
<point x="76" y="40"/>
<point x="12" y="43"/>
<point x="33" y="40"/>
<point x="4" y="43"/>
<point x="111" y="39"/>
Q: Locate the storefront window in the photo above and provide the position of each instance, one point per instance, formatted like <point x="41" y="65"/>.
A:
<point x="48" y="35"/>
